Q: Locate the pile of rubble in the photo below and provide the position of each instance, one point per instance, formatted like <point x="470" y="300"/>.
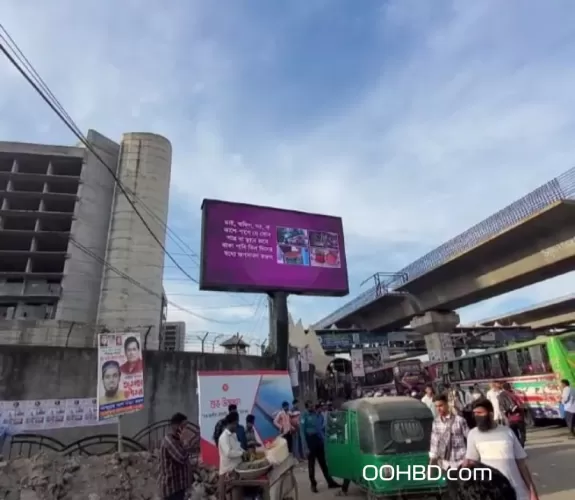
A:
<point x="121" y="476"/>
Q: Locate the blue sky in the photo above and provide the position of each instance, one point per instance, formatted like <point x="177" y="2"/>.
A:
<point x="411" y="120"/>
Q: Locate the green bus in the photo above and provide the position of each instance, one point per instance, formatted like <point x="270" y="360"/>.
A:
<point x="534" y="370"/>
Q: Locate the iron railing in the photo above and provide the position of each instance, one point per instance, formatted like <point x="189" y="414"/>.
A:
<point x="558" y="189"/>
<point x="26" y="445"/>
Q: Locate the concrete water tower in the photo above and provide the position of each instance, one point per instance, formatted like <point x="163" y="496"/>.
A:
<point x="144" y="170"/>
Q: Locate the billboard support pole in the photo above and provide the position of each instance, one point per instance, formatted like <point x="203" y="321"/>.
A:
<point x="280" y="321"/>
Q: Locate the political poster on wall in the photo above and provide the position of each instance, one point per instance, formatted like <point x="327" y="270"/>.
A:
<point x="260" y="393"/>
<point x="120" y="375"/>
<point x="49" y="414"/>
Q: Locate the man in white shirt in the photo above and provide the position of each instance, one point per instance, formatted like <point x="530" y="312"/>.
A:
<point x="427" y="400"/>
<point x="496" y="446"/>
<point x="493" y="397"/>
<point x="476" y="393"/>
<point x="230" y="451"/>
<point x="568" y="401"/>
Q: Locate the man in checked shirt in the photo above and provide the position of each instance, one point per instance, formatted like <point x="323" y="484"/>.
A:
<point x="175" y="467"/>
<point x="448" y="436"/>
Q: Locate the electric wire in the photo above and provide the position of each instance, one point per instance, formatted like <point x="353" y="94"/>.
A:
<point x="40" y="86"/>
<point x="142" y="287"/>
<point x="180" y="243"/>
<point x="69" y="122"/>
<point x="73" y="128"/>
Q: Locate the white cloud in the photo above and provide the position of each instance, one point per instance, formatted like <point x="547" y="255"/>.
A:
<point x="457" y="110"/>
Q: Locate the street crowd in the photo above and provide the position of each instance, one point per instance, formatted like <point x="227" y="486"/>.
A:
<point x="475" y="429"/>
<point x="303" y="431"/>
<point x="470" y="430"/>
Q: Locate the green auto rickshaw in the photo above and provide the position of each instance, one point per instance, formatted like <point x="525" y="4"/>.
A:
<point x="388" y="435"/>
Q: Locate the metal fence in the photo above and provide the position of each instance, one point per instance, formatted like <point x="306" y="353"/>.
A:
<point x="558" y="189"/>
<point x="26" y="445"/>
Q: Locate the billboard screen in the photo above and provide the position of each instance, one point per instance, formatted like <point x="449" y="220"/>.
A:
<point x="249" y="248"/>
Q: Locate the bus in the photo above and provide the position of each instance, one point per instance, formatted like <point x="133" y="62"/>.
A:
<point x="398" y="377"/>
<point x="534" y="369"/>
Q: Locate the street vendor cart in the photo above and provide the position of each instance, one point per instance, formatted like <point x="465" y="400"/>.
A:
<point x="278" y="483"/>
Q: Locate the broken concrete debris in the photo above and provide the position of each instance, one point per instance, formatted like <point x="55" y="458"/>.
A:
<point x="120" y="476"/>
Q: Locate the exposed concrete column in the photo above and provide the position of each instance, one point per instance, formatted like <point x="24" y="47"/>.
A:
<point x="437" y="327"/>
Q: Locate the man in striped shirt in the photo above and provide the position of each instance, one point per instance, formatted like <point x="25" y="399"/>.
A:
<point x="175" y="467"/>
<point x="448" y="436"/>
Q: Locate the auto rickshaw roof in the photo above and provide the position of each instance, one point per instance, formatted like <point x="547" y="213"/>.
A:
<point x="389" y="408"/>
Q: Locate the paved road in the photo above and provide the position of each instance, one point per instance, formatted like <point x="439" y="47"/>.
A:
<point x="551" y="460"/>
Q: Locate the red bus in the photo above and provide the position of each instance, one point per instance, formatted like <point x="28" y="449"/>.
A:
<point x="398" y="377"/>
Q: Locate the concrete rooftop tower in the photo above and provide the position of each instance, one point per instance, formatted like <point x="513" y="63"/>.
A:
<point x="144" y="170"/>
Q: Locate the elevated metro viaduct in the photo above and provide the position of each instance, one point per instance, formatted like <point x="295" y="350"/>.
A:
<point x="554" y="313"/>
<point x="533" y="249"/>
<point x="410" y="342"/>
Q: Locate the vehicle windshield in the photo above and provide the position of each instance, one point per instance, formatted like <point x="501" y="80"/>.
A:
<point x="402" y="436"/>
<point x="569" y="344"/>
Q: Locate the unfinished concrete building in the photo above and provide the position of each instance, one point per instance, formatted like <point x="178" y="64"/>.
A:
<point x="61" y="218"/>
<point x="173" y="337"/>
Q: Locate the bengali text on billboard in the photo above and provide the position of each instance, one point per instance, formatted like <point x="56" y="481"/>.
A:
<point x="254" y="248"/>
<point x="120" y="375"/>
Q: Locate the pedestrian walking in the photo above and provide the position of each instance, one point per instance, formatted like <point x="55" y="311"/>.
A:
<point x="496" y="446"/>
<point x="313" y="429"/>
<point x="568" y="402"/>
<point x="428" y="401"/>
<point x="448" y="436"/>
<point x="295" y="416"/>
<point x="175" y="473"/>
<point x="512" y="409"/>
<point x="283" y="423"/>
<point x="493" y="396"/>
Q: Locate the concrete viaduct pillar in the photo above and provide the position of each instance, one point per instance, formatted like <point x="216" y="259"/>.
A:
<point x="436" y="328"/>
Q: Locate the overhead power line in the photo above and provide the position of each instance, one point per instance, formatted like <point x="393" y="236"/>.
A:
<point x="180" y="243"/>
<point x="142" y="287"/>
<point x="43" y="90"/>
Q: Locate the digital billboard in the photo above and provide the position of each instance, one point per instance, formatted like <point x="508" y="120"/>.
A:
<point x="249" y="248"/>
